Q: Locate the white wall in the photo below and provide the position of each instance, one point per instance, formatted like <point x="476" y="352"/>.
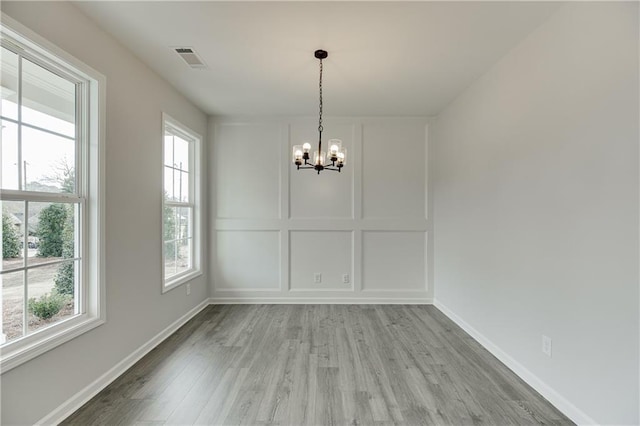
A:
<point x="275" y="227"/>
<point x="536" y="207"/>
<point x="136" y="310"/>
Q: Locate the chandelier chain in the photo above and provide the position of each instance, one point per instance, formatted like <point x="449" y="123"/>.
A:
<point x="320" y="128"/>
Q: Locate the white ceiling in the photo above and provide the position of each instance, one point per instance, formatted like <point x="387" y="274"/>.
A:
<point x="385" y="58"/>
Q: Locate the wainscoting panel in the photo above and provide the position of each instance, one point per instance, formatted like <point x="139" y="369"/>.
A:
<point x="275" y="226"/>
<point x="394" y="261"/>
<point x="330" y="194"/>
<point x="247" y="172"/>
<point x="325" y="252"/>
<point x="394" y="169"/>
<point x="247" y="260"/>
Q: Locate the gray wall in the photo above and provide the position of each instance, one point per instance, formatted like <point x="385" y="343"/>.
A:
<point x="136" y="310"/>
<point x="534" y="174"/>
<point x="536" y="206"/>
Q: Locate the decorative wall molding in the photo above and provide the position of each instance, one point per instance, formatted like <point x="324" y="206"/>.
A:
<point x="399" y="205"/>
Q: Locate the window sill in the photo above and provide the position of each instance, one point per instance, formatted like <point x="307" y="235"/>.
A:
<point x="178" y="280"/>
<point x="29" y="347"/>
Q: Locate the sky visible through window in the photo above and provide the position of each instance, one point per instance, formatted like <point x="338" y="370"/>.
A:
<point x="176" y="170"/>
<point x="42" y="151"/>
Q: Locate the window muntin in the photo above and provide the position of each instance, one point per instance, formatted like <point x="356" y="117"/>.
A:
<point x="40" y="198"/>
<point x="180" y="204"/>
<point x="52" y="117"/>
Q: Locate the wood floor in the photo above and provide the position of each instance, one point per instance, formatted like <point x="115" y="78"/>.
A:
<point x="318" y="365"/>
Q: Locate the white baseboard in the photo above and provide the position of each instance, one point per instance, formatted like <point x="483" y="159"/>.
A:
<point x="320" y="301"/>
<point x="79" y="399"/>
<point x="560" y="402"/>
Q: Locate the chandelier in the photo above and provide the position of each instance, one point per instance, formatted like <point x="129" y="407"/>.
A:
<point x="336" y="157"/>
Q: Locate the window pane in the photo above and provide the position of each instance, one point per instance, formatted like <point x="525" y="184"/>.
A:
<point x="169" y="259"/>
<point x="184" y="186"/>
<point x="169" y="224"/>
<point x="48" y="101"/>
<point x="185" y="217"/>
<point x="70" y="232"/>
<point x="12" y="305"/>
<point x="183" y="260"/>
<point x="9" y="153"/>
<point x="168" y="150"/>
<point x="169" y="193"/>
<point x="9" y="84"/>
<point x="181" y="150"/>
<point x="12" y="234"/>
<point x="49" y="161"/>
<point x="52" y="229"/>
<point x="51" y="294"/>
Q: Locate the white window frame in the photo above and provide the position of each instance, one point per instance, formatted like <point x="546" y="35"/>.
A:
<point x="195" y="158"/>
<point x="89" y="194"/>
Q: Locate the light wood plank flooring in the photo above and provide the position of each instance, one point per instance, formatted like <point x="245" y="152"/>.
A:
<point x="318" y="365"/>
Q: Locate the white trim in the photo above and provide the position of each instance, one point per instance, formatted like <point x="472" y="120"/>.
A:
<point x="177" y="280"/>
<point x="91" y="170"/>
<point x="195" y="202"/>
<point x="560" y="402"/>
<point x="320" y="301"/>
<point x="79" y="399"/>
<point x="249" y="290"/>
<point x="44" y="341"/>
<point x="82" y="397"/>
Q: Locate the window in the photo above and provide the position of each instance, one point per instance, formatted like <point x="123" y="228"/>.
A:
<point x="49" y="196"/>
<point x="180" y="212"/>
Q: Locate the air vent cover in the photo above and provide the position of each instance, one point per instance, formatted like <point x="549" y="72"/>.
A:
<point x="190" y="57"/>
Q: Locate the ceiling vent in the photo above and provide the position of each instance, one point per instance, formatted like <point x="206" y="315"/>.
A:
<point x="190" y="57"/>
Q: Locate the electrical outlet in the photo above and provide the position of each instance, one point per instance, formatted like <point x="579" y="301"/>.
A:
<point x="345" y="279"/>
<point x="546" y="345"/>
<point x="188" y="289"/>
<point x="317" y="278"/>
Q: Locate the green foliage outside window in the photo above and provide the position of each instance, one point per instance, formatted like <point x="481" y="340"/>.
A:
<point x="64" y="280"/>
<point x="51" y="223"/>
<point x="169" y="231"/>
<point x="47" y="305"/>
<point x="10" y="238"/>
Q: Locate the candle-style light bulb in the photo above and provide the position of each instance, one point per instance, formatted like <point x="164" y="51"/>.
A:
<point x="306" y="147"/>
<point x="334" y="147"/>
<point x="297" y="154"/>
<point x="342" y="156"/>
